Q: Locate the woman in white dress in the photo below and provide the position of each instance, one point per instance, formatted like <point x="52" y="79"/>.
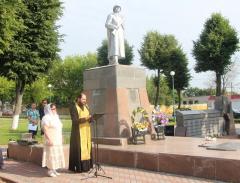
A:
<point x="53" y="156"/>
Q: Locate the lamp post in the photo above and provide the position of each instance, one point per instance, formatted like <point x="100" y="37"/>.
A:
<point x="172" y="73"/>
<point x="50" y="88"/>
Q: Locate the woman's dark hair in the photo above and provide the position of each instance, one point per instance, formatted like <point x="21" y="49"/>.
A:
<point x="44" y="100"/>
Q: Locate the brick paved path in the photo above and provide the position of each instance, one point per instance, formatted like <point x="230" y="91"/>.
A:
<point x="25" y="172"/>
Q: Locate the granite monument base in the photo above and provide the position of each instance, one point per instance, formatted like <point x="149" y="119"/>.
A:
<point x="115" y="91"/>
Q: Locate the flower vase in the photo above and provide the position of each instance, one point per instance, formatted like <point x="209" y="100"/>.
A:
<point x="138" y="135"/>
<point x="159" y="129"/>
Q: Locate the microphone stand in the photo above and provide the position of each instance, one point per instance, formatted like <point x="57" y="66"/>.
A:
<point x="97" y="167"/>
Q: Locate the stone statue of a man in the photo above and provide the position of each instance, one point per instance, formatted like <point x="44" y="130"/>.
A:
<point x="115" y="34"/>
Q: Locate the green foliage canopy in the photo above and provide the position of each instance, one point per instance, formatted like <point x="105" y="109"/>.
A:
<point x="155" y="53"/>
<point x="215" y="46"/>
<point x="165" y="98"/>
<point x="10" y="23"/>
<point x="37" y="91"/>
<point x="6" y="89"/>
<point x="194" y="92"/>
<point x="179" y="64"/>
<point x="156" y="50"/>
<point x="35" y="46"/>
<point x="67" y="76"/>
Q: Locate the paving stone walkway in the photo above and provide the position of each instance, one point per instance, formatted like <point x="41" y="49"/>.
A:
<point x="25" y="172"/>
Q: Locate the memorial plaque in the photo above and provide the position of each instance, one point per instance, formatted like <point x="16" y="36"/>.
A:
<point x="98" y="101"/>
<point x="133" y="96"/>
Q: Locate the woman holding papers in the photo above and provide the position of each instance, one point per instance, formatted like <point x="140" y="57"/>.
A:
<point x="53" y="157"/>
<point x="33" y="118"/>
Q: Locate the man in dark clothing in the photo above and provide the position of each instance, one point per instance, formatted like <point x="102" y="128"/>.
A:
<point x="1" y="159"/>
<point x="80" y="155"/>
<point x="227" y="123"/>
<point x="41" y="112"/>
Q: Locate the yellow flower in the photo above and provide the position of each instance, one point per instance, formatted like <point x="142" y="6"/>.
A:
<point x="140" y="125"/>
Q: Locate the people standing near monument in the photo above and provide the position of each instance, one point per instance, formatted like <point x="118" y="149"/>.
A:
<point x="80" y="155"/>
<point x="226" y="125"/>
<point x="41" y="112"/>
<point x="33" y="119"/>
<point x="115" y="34"/>
<point x="53" y="156"/>
<point x="1" y="159"/>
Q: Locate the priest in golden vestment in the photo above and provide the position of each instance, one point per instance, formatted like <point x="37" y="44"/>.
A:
<point x="80" y="155"/>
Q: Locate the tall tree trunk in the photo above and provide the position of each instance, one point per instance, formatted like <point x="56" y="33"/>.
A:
<point x="18" y="103"/>
<point x="218" y="84"/>
<point x="158" y="88"/>
<point x="179" y="98"/>
<point x="1" y="105"/>
<point x="223" y="85"/>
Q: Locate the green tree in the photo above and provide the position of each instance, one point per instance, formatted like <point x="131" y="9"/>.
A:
<point x="195" y="92"/>
<point x="37" y="91"/>
<point x="155" y="52"/>
<point x="67" y="76"/>
<point x="178" y="63"/>
<point x="33" y="48"/>
<point x="213" y="50"/>
<point x="6" y="90"/>
<point x="165" y="98"/>
<point x="102" y="54"/>
<point x="9" y="22"/>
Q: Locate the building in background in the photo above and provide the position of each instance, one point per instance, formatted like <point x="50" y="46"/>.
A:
<point x="209" y="101"/>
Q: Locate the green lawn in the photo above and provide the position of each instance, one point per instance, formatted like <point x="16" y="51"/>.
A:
<point x="6" y="133"/>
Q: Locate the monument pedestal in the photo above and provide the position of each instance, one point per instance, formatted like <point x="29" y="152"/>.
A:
<point x="115" y="90"/>
<point x="224" y="105"/>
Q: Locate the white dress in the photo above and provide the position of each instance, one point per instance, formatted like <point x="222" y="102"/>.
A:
<point x="53" y="156"/>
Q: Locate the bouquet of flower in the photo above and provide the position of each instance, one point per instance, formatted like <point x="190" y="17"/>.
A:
<point x="141" y="126"/>
<point x="143" y="123"/>
<point x="159" y="118"/>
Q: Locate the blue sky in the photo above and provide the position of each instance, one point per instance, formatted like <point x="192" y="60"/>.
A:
<point x="83" y="25"/>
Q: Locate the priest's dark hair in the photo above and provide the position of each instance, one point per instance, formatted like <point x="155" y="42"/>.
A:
<point x="80" y="95"/>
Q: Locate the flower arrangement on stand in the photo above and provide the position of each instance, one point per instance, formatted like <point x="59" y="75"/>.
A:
<point x="140" y="125"/>
<point x="159" y="120"/>
<point x="143" y="123"/>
